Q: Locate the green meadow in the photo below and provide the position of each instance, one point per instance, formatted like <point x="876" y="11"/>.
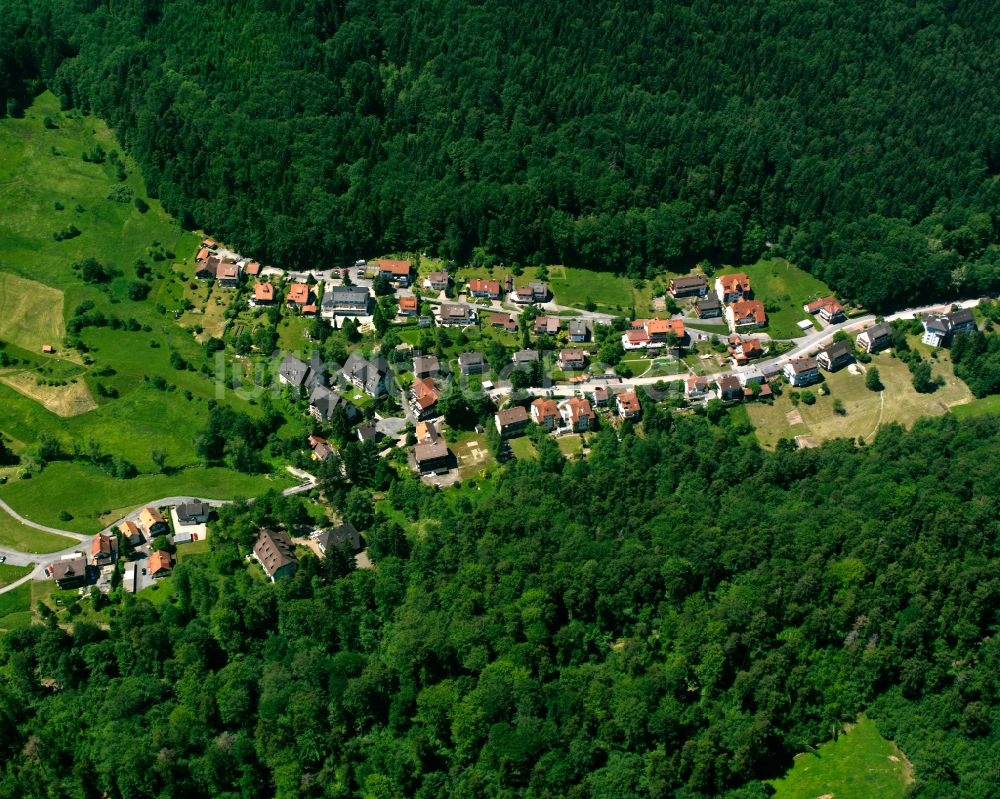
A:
<point x="860" y="764"/>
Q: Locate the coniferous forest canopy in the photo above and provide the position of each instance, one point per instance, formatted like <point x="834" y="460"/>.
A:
<point x="569" y="633"/>
<point x="861" y="139"/>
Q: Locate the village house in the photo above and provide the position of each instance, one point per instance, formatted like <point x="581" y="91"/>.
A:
<point x="506" y="321"/>
<point x="159" y="565"/>
<point x="70" y="572"/>
<point x="875" y="338"/>
<point x="484" y="288"/>
<point x="578" y="331"/>
<point x="644" y="333"/>
<point x="436" y="281"/>
<point x="696" y="387"/>
<point x="471" y="363"/>
<point x="321" y="449"/>
<point x="103" y="549"/>
<point x="571" y="360"/>
<point x="511" y="422"/>
<point x="324" y="401"/>
<point x="131" y="534"/>
<point x="396" y="271"/>
<point x="524" y="358"/>
<point x="836" y="356"/>
<point x="227" y="274"/>
<point x="802" y="372"/>
<point x="691" y="286"/>
<point x="202" y="255"/>
<point x="545" y="413"/>
<point x="205" y="270"/>
<point x="732" y="288"/>
<point x="426" y="366"/>
<point x="423" y="397"/>
<point x="369" y="432"/>
<point x="345" y="301"/>
<point x="432" y="456"/>
<point x="408" y="305"/>
<point x="577" y="414"/>
<point x="152" y="522"/>
<point x="939" y="328"/>
<point x="539" y="291"/>
<point x="828" y="309"/>
<point x="599" y="396"/>
<point x="628" y="404"/>
<point x="523" y="295"/>
<point x="454" y="313"/>
<point x="425" y="432"/>
<point x="743" y="349"/>
<point x="369" y="376"/>
<point x="708" y="308"/>
<point x="209" y="244"/>
<point x="344" y="537"/>
<point x="252" y="269"/>
<point x="547" y="325"/>
<point x="745" y="314"/>
<point x="729" y="388"/>
<point x="750" y="375"/>
<point x="299" y="295"/>
<point x="292" y="372"/>
<point x="263" y="293"/>
<point x="194" y="511"/>
<point x="275" y="552"/>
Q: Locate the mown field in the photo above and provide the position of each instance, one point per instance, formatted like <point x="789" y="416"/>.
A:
<point x="94" y="500"/>
<point x="10" y="574"/>
<point x="860" y="764"/>
<point x="15" y="608"/>
<point x="784" y="289"/>
<point x="23" y="538"/>
<point x="47" y="187"/>
<point x="865" y="410"/>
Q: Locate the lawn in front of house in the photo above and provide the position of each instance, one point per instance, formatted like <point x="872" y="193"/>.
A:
<point x="571" y="444"/>
<point x="96" y="500"/>
<point x="523" y="447"/>
<point x="865" y="410"/>
<point x="11" y="574"/>
<point x="784" y="289"/>
<point x="23" y="538"/>
<point x="859" y="764"/>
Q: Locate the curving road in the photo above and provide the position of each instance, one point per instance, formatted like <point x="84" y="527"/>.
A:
<point x="17" y="558"/>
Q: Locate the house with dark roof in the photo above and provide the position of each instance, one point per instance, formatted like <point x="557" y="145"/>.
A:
<point x="426" y="366"/>
<point x="836" y="356"/>
<point x="875" y="338"/>
<point x="324" y="401"/>
<point x="436" y="281"/>
<point x="293" y="372"/>
<point x="345" y="301"/>
<point x="578" y="331"/>
<point x="708" y="308"/>
<point x="193" y="511"/>
<point x="802" y="371"/>
<point x="691" y="286"/>
<point x="455" y="313"/>
<point x="571" y="360"/>
<point x="939" y="328"/>
<point x="70" y="572"/>
<point x="369" y="376"/>
<point x="511" y="422"/>
<point x="525" y="357"/>
<point x="430" y="456"/>
<point x="275" y="552"/>
<point x="729" y="388"/>
<point x="471" y="363"/>
<point x="343" y="537"/>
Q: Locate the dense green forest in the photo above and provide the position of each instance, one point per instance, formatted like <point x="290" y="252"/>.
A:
<point x="860" y="140"/>
<point x="557" y="631"/>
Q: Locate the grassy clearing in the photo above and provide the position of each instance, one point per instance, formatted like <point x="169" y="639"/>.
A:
<point x="95" y="500"/>
<point x="10" y="574"/>
<point x="31" y="313"/>
<point x="192" y="550"/>
<point x="865" y="410"/>
<point x="784" y="289"/>
<point x="45" y="186"/>
<point x="859" y="765"/>
<point x="15" y="608"/>
<point x="15" y="535"/>
<point x="978" y="407"/>
<point x="523" y="447"/>
<point x="570" y="445"/>
<point x="473" y="455"/>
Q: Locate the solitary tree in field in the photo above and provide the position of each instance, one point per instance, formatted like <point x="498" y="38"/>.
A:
<point x="873" y="381"/>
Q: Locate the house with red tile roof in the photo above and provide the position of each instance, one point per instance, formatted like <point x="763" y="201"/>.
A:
<point x="628" y="404"/>
<point x="732" y="288"/>
<point x="159" y="564"/>
<point x="103" y="549"/>
<point x="545" y="413"/>
<point x="396" y="271"/>
<point x="577" y="414"/>
<point x="263" y="293"/>
<point x="299" y="295"/>
<point x="423" y="397"/>
<point x="408" y="305"/>
<point x="484" y="288"/>
<point x="745" y="314"/>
